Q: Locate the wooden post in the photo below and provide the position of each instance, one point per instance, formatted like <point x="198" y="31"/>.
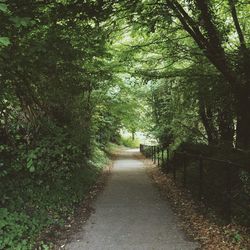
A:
<point x="200" y="178"/>
<point x="152" y="153"/>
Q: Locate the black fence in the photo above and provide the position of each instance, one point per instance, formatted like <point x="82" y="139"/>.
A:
<point x="220" y="185"/>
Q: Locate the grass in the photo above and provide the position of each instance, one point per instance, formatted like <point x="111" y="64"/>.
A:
<point x="129" y="142"/>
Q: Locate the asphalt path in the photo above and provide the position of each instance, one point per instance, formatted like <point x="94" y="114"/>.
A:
<point x="130" y="214"/>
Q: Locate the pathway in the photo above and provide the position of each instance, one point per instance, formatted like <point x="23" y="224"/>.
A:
<point x="130" y="214"/>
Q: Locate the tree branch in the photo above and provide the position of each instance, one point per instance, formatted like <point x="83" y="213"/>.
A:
<point x="237" y="24"/>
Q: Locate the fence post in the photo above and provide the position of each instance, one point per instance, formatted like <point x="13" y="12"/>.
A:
<point x="229" y="192"/>
<point x="200" y="178"/>
<point x="184" y="171"/>
<point x="152" y="153"/>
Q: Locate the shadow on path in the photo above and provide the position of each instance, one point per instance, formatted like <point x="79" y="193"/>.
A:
<point x="130" y="214"/>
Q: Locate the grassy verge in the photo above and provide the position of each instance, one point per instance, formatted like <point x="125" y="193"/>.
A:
<point x="129" y="142"/>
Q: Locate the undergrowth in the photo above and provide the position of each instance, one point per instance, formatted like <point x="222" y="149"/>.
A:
<point x="33" y="201"/>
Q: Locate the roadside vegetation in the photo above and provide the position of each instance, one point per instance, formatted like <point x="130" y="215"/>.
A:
<point x="60" y="104"/>
<point x="129" y="142"/>
<point x="74" y="73"/>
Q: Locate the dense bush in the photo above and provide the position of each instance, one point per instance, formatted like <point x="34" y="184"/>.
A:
<point x="52" y="75"/>
<point x="44" y="185"/>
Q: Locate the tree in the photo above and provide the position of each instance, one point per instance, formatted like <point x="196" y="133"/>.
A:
<point x="201" y="20"/>
<point x="216" y="30"/>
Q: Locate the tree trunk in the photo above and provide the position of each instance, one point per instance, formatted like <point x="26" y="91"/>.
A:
<point x="226" y="127"/>
<point x="211" y="45"/>
<point x="243" y="120"/>
<point x="133" y="135"/>
<point x="207" y="120"/>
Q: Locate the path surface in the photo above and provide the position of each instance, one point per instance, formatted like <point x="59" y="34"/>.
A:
<point x="130" y="214"/>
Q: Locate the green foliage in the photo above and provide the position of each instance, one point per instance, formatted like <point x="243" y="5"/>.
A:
<point x="129" y="142"/>
<point x="72" y="75"/>
<point x="43" y="200"/>
<point x="99" y="158"/>
<point x="13" y="227"/>
<point x="21" y="21"/>
<point x="3" y="7"/>
<point x="237" y="237"/>
<point x="4" y="41"/>
<point x="54" y="81"/>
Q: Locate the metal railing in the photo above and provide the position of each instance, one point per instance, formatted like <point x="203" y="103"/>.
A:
<point x="192" y="171"/>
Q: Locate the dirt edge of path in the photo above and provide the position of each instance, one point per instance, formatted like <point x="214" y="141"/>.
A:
<point x="199" y="228"/>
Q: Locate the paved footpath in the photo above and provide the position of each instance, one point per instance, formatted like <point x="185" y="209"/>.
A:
<point x="130" y="214"/>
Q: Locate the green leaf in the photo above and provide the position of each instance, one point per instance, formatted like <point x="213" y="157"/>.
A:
<point x="21" y="21"/>
<point x="237" y="237"/>
<point x="30" y="163"/>
<point x="32" y="169"/>
<point x="4" y="41"/>
<point x="3" y="7"/>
